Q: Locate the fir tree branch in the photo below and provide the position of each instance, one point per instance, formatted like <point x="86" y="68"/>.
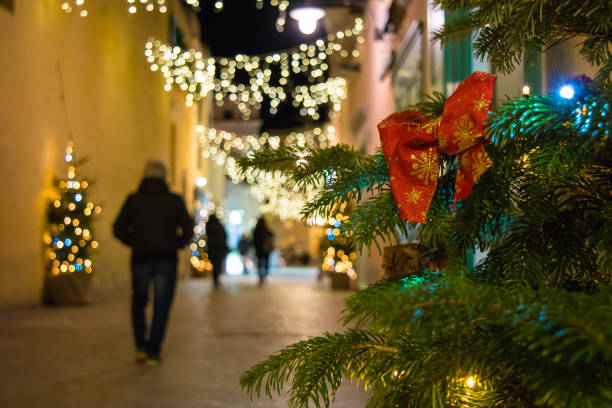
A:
<point x="505" y="29"/>
<point x="374" y="221"/>
<point x="457" y="329"/>
<point x="348" y="184"/>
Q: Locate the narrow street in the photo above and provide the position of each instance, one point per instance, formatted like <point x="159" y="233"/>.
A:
<point x="83" y="356"/>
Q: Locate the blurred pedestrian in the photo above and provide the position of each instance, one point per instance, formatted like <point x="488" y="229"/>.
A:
<point x="244" y="247"/>
<point x="155" y="224"/>
<point x="217" y="246"/>
<point x="263" y="240"/>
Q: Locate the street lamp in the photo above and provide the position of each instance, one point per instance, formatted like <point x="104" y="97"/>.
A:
<point x="307" y="18"/>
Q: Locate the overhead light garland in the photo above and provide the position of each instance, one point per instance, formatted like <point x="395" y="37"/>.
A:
<point x="195" y="75"/>
<point x="133" y="5"/>
<point x="75" y="5"/>
<point x="184" y="69"/>
<point x="149" y="5"/>
<point x="269" y="188"/>
<point x="222" y="146"/>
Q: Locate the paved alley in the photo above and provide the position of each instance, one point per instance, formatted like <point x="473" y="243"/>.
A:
<point x="77" y="357"/>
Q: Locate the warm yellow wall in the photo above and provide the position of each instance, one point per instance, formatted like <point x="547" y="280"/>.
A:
<point x="119" y="113"/>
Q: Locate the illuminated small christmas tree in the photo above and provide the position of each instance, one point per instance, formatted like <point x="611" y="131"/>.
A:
<point x="339" y="254"/>
<point x="199" y="256"/>
<point x="70" y="239"/>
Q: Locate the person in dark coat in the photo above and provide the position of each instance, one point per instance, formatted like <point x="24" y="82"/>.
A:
<point x="263" y="240"/>
<point x="244" y="246"/>
<point x="155" y="224"/>
<point x="217" y="246"/>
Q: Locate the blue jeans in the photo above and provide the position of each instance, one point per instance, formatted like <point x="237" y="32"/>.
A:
<point x="162" y="274"/>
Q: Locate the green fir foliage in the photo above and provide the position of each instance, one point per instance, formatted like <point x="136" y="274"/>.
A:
<point x="531" y="325"/>
<point x="426" y="339"/>
<point x="504" y="29"/>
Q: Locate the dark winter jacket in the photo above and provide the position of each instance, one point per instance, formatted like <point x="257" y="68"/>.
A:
<point x="154" y="222"/>
<point x="217" y="239"/>
<point x="263" y="239"/>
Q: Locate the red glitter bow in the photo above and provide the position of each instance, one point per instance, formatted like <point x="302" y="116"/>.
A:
<point x="411" y="146"/>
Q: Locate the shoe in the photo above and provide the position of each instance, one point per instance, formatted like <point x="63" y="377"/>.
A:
<point x="152" y="362"/>
<point x="141" y="356"/>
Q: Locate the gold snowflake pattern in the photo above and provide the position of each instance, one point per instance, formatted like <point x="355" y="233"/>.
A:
<point x="481" y="104"/>
<point x="414" y="196"/>
<point x="431" y="126"/>
<point x="426" y="167"/>
<point x="442" y="142"/>
<point x="480" y="164"/>
<point x="466" y="133"/>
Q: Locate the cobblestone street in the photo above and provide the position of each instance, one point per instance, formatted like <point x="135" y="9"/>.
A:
<point x="83" y="356"/>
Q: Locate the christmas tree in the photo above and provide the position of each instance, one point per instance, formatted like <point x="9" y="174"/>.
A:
<point x="529" y="184"/>
<point x="70" y="237"/>
<point x="337" y="251"/>
<point x="198" y="246"/>
<point x="199" y="257"/>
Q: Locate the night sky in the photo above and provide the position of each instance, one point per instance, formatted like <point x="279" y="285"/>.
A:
<point x="240" y="28"/>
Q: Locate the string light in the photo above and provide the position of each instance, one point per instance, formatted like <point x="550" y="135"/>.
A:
<point x="526" y="90"/>
<point x="149" y="5"/>
<point x="567" y="92"/>
<point x="282" y="6"/>
<point x="309" y="60"/>
<point x="269" y="188"/>
<point x="69" y="242"/>
<point x="197" y="76"/>
<point x="184" y="69"/>
<point x="222" y="146"/>
<point x="75" y="5"/>
<point x="133" y="5"/>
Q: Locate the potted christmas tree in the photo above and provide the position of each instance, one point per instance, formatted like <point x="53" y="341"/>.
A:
<point x="69" y="240"/>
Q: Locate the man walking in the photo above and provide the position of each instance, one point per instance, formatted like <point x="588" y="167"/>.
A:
<point x="155" y="224"/>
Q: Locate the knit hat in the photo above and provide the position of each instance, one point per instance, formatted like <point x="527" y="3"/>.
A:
<point x="155" y="168"/>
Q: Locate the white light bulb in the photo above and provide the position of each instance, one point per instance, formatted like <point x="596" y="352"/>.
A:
<point x="567" y="92"/>
<point x="307" y="18"/>
<point x="526" y="90"/>
<point x="201" y="182"/>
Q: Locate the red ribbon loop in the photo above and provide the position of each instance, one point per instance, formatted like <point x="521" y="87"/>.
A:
<point x="411" y="146"/>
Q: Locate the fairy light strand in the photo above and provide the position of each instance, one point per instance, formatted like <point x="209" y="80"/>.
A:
<point x="189" y="71"/>
<point x="269" y="188"/>
<point x="133" y="6"/>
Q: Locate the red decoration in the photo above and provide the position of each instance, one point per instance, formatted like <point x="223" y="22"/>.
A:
<point x="411" y="146"/>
